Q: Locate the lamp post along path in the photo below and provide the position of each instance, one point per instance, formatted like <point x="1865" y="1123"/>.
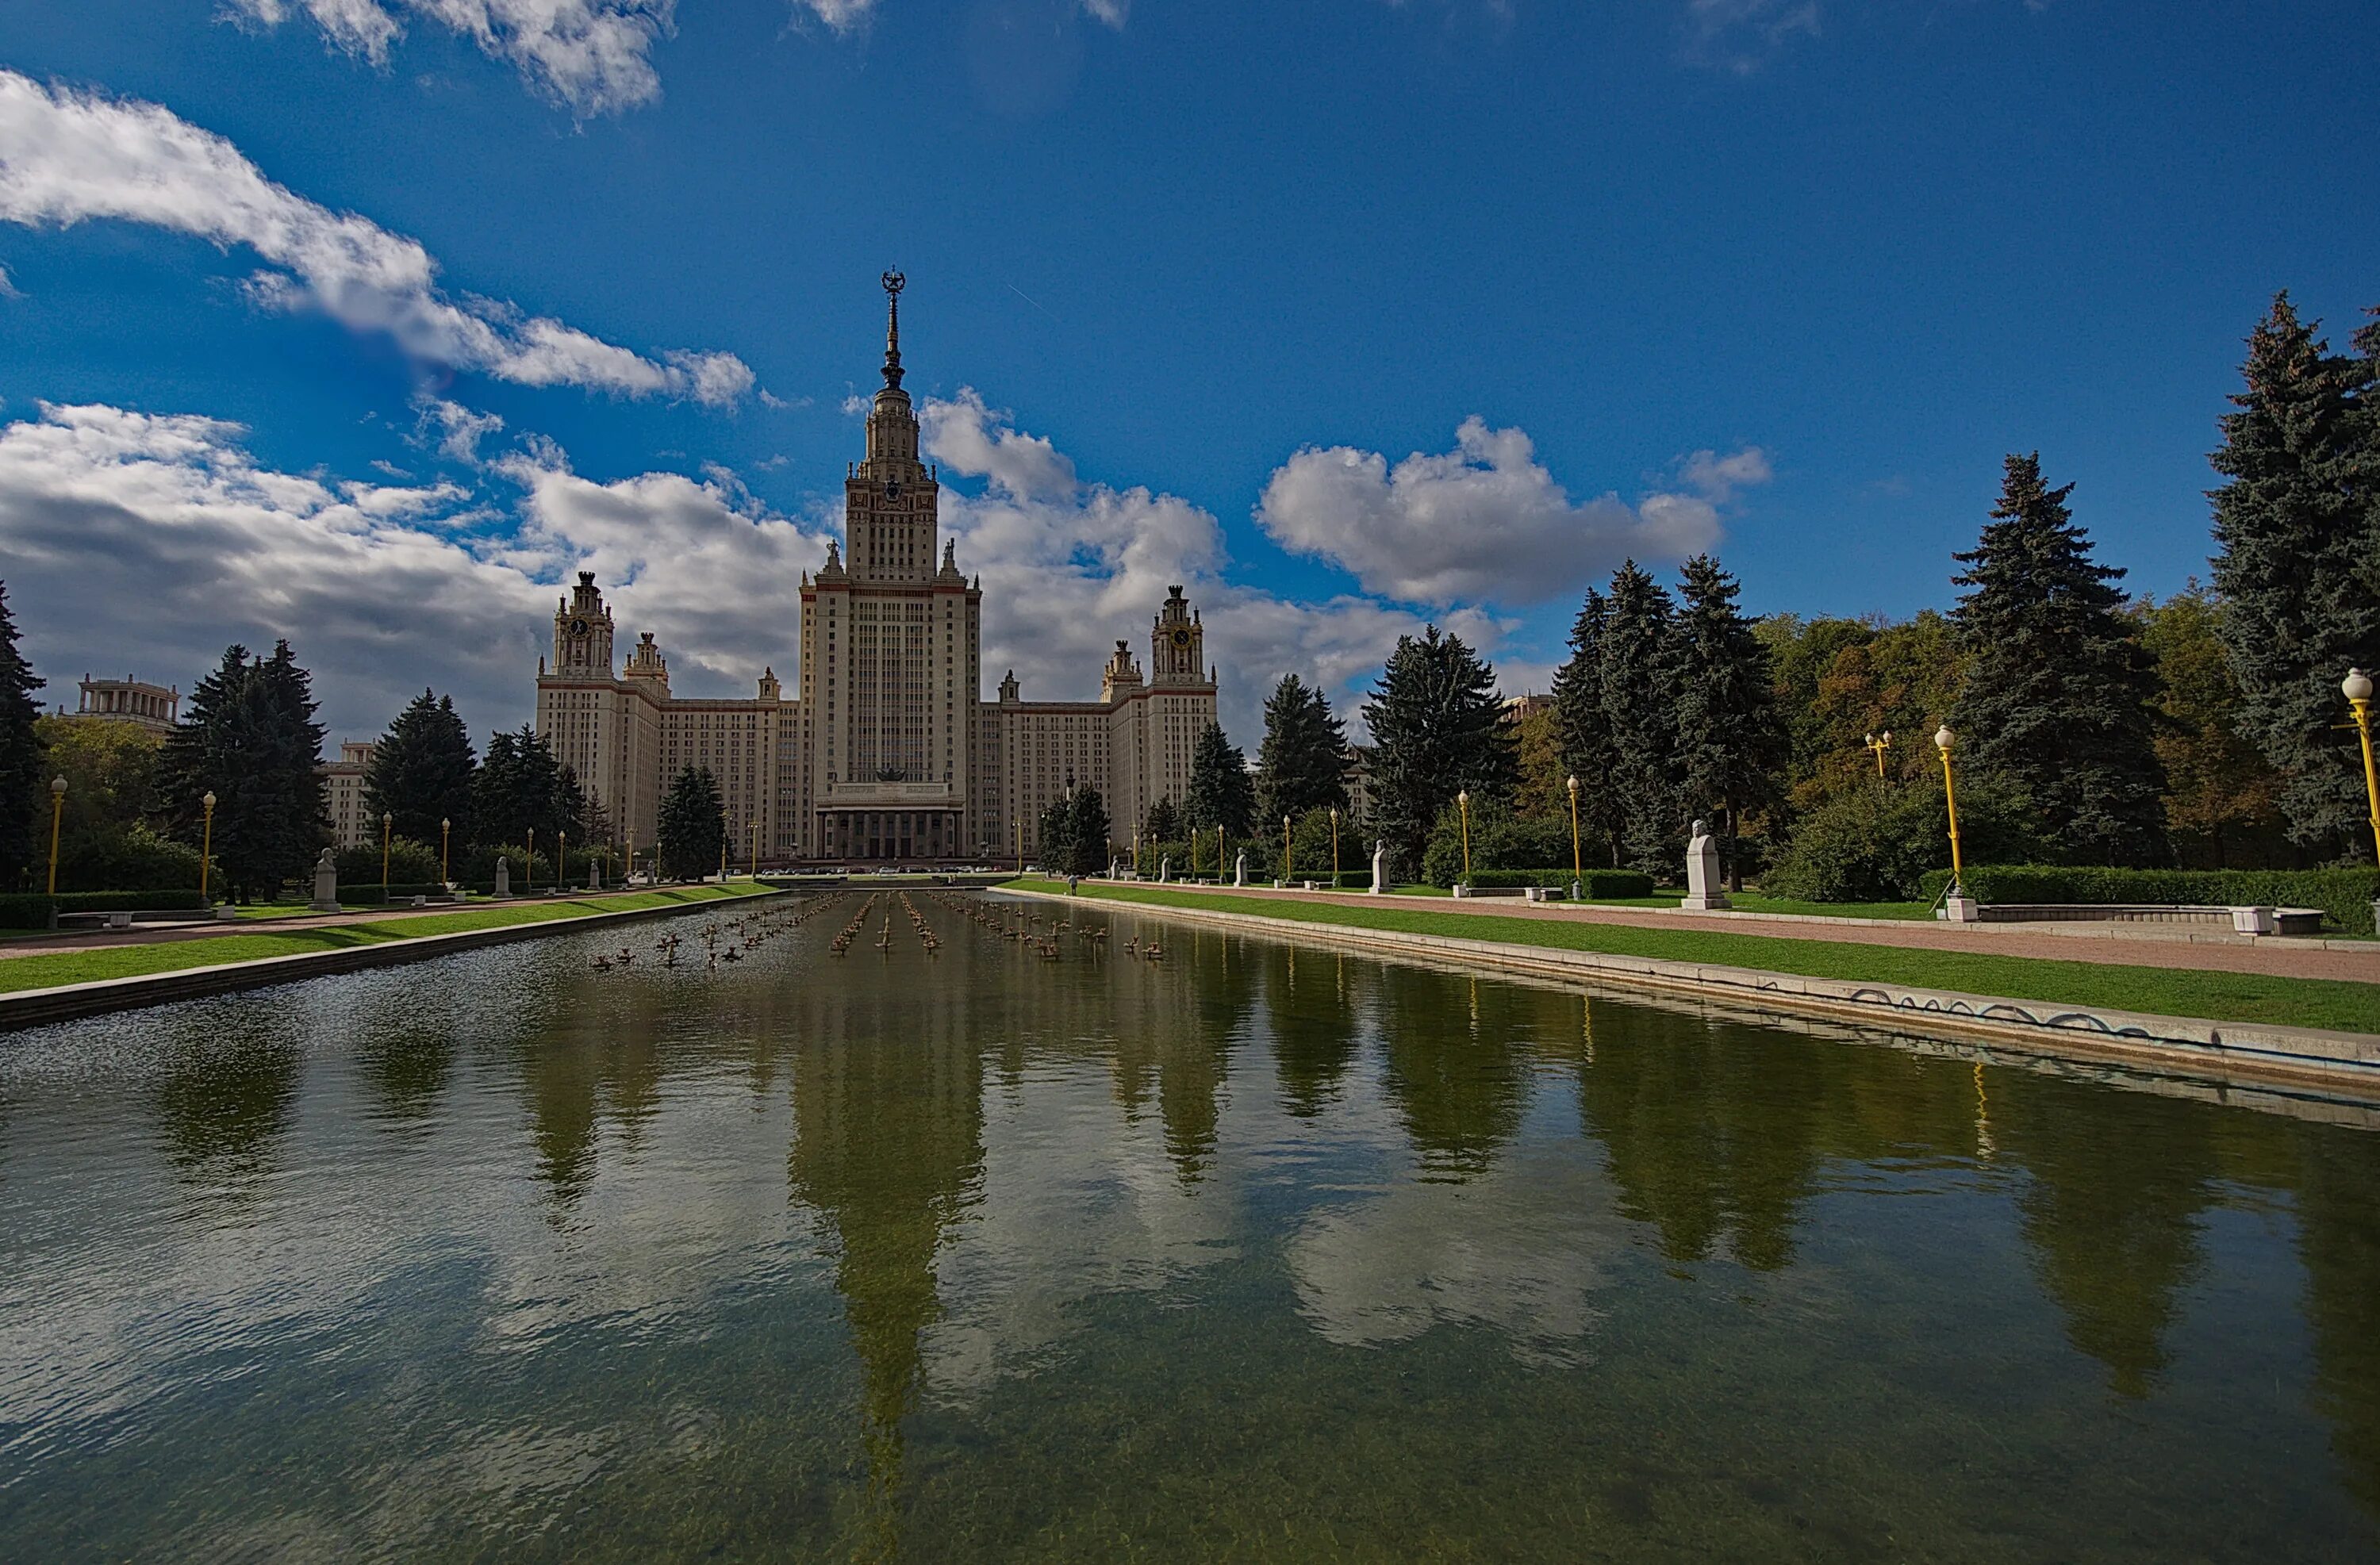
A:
<point x="387" y="821"/>
<point x="2357" y="688"/>
<point x="1577" y="862"/>
<point x="1463" y="802"/>
<point x="1877" y="746"/>
<point x="58" y="812"/>
<point x="1334" y="847"/>
<point x="445" y="833"/>
<point x="206" y="846"/>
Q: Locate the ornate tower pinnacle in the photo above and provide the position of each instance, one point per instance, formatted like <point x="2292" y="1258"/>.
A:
<point x="893" y="283"/>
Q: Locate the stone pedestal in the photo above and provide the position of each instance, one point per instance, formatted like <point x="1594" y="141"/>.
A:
<point x="1962" y="910"/>
<point x="1704" y="889"/>
<point x="504" y="878"/>
<point x="594" y="874"/>
<point x="326" y="884"/>
<point x="1240" y="870"/>
<point x="1380" y="868"/>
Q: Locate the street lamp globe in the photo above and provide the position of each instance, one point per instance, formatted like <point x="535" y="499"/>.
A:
<point x="2356" y="687"/>
<point x="57" y="787"/>
<point x="1463" y="797"/>
<point x="1942" y="737"/>
<point x="209" y="800"/>
<point x="1572" y="784"/>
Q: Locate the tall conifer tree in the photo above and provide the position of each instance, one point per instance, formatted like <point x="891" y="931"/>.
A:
<point x="2297" y="525"/>
<point x="1731" y="745"/>
<point x="1302" y="764"/>
<point x="1087" y="829"/>
<point x="1219" y="793"/>
<point x="24" y="788"/>
<point x="2058" y="687"/>
<point x="693" y="824"/>
<point x="519" y="790"/>
<point x="1438" y="729"/>
<point x="1641" y="691"/>
<point x="422" y="770"/>
<point x="249" y="736"/>
<point x="1586" y="733"/>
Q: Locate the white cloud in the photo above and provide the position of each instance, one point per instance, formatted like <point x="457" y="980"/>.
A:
<point x="161" y="532"/>
<point x="8" y="287"/>
<point x="68" y="157"/>
<point x="846" y="15"/>
<point x="457" y="429"/>
<point x="1740" y="36"/>
<point x="593" y="56"/>
<point x="1484" y="521"/>
<point x="1069" y="568"/>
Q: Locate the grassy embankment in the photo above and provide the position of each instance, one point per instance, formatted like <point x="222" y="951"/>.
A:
<point x="133" y="961"/>
<point x="2223" y="997"/>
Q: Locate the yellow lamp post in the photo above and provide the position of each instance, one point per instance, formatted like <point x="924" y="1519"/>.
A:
<point x="1334" y="847"/>
<point x="386" y="821"/>
<point x="1463" y="800"/>
<point x="722" y="858"/>
<point x="1577" y="862"/>
<point x="756" y="847"/>
<point x="1284" y="850"/>
<point x="2357" y="688"/>
<point x="1942" y="739"/>
<point x="206" y="846"/>
<point x="445" y="835"/>
<point x="1876" y="746"/>
<point x="561" y="857"/>
<point x="529" y="867"/>
<point x="629" y="842"/>
<point x="57" y="811"/>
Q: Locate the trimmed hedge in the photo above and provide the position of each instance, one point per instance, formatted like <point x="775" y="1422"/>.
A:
<point x="32" y="910"/>
<point x="2344" y="895"/>
<point x="1594" y="883"/>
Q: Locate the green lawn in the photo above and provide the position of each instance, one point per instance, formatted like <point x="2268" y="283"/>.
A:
<point x="132" y="961"/>
<point x="2224" y="996"/>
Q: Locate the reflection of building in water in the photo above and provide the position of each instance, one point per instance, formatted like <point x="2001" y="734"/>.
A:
<point x="888" y="1149"/>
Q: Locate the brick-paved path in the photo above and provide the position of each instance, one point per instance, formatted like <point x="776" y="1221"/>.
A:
<point x="2135" y="947"/>
<point x="159" y="934"/>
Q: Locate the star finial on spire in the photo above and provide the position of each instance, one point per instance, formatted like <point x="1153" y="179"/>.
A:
<point x="893" y="283"/>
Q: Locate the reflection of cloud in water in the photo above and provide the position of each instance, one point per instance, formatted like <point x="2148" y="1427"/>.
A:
<point x="1078" y="1200"/>
<point x="1521" y="1248"/>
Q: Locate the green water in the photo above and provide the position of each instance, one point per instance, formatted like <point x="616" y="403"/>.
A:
<point x="1257" y="1251"/>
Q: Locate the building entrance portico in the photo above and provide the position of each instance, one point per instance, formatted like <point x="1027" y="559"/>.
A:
<point x="883" y="835"/>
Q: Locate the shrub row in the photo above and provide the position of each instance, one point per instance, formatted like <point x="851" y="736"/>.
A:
<point x="2344" y="895"/>
<point x="32" y="910"/>
<point x="1611" y="883"/>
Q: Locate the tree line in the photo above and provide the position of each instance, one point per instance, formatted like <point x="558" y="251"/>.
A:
<point x="2086" y="727"/>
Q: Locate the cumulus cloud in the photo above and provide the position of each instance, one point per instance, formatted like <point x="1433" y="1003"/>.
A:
<point x="456" y="430"/>
<point x="845" y="16"/>
<point x="126" y="529"/>
<point x="593" y="56"/>
<point x="1484" y="521"/>
<point x="8" y="287"/>
<point x="68" y="157"/>
<point x="1069" y="568"/>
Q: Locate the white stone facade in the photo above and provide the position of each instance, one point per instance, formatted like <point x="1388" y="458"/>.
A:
<point x="888" y="752"/>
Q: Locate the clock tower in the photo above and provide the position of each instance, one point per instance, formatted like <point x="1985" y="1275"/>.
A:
<point x="582" y="632"/>
<point x="1178" y="644"/>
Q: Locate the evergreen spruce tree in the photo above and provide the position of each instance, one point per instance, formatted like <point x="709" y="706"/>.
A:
<point x="1219" y="792"/>
<point x="290" y="756"/>
<point x="1438" y="729"/>
<point x="1586" y="733"/>
<point x="518" y="790"/>
<point x="2058" y="687"/>
<point x="2297" y="525"/>
<point x="1088" y="829"/>
<point x="1163" y="823"/>
<point x="693" y="824"/>
<point x="1054" y="842"/>
<point x="25" y="806"/>
<point x="1731" y="745"/>
<point x="1641" y="688"/>
<point x="1302" y="764"/>
<point x="421" y="771"/>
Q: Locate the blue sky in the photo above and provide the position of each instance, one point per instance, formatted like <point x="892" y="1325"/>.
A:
<point x="1189" y="285"/>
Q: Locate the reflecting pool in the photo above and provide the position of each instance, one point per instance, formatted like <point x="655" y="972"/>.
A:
<point x="1039" y="1249"/>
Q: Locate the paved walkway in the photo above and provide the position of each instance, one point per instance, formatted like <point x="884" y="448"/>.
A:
<point x="2138" y="947"/>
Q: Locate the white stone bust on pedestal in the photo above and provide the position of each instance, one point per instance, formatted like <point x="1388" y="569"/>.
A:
<point x="503" y="876"/>
<point x="1379" y="868"/>
<point x="326" y="884"/>
<point x="1703" y="887"/>
<point x="1165" y="869"/>
<point x="1240" y="870"/>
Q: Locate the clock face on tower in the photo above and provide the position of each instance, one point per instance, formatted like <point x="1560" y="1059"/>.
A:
<point x="1182" y="638"/>
<point x="578" y="628"/>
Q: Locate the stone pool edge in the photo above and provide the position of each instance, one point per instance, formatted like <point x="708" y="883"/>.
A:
<point x="67" y="1003"/>
<point x="2299" y="1057"/>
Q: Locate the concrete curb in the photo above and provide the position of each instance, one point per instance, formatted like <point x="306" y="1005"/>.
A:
<point x="2297" y="1057"/>
<point x="34" y="1008"/>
